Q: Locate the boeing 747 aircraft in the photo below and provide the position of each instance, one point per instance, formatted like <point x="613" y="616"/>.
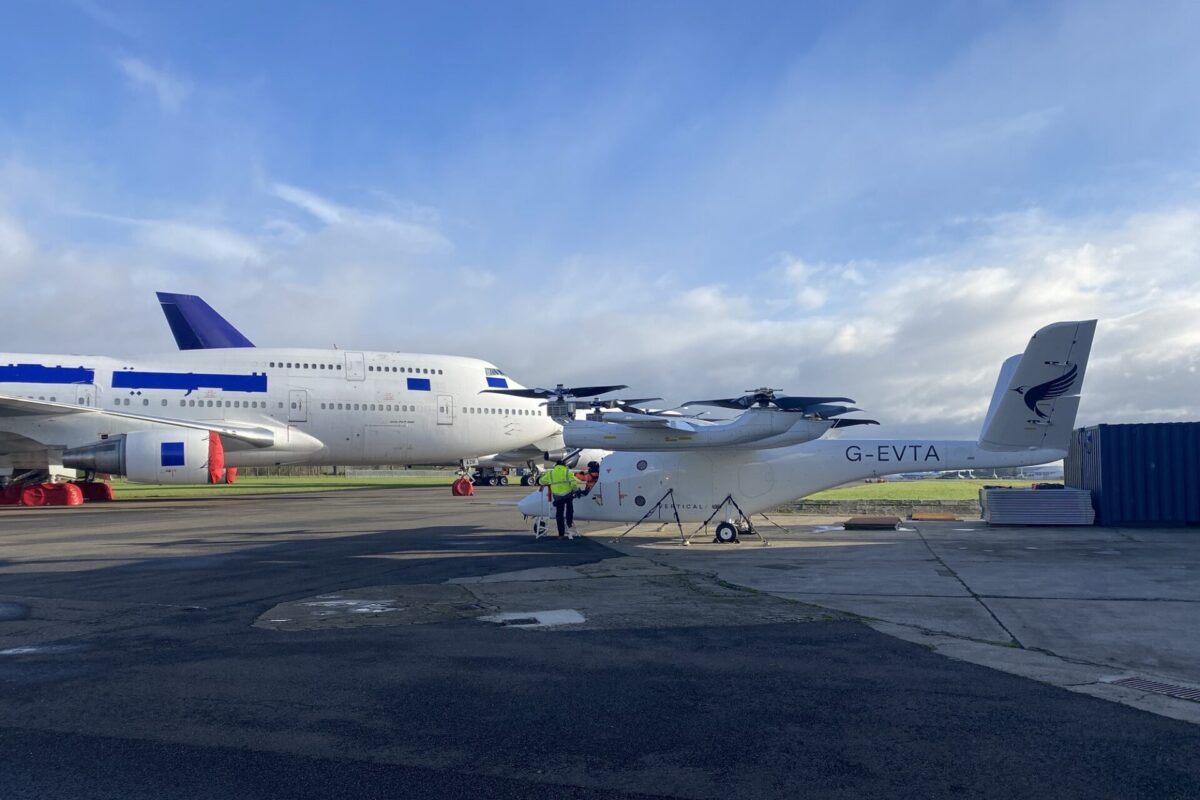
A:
<point x="182" y="417"/>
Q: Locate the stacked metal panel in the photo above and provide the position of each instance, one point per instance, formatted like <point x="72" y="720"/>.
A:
<point x="1145" y="474"/>
<point x="1037" y="506"/>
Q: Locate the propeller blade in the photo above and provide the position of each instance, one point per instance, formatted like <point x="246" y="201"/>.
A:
<point x="531" y="393"/>
<point x="849" y="423"/>
<point x="736" y="403"/>
<point x="581" y="391"/>
<point x="826" y="411"/>
<point x="803" y="403"/>
<point x="591" y="391"/>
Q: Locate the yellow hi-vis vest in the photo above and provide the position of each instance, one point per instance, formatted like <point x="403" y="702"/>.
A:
<point x="561" y="479"/>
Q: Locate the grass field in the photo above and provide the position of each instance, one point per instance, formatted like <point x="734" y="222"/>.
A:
<point x="124" y="490"/>
<point x="916" y="490"/>
<point x="899" y="490"/>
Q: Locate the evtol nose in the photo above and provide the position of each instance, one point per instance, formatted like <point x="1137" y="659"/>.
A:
<point x="533" y="505"/>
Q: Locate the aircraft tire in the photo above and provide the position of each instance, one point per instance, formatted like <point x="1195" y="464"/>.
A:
<point x="727" y="533"/>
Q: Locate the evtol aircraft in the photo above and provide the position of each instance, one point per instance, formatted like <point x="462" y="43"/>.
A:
<point x="220" y="402"/>
<point x="665" y="469"/>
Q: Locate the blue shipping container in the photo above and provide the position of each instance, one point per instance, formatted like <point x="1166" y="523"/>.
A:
<point x="1146" y="475"/>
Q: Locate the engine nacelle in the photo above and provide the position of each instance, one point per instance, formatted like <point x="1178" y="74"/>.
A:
<point x="174" y="457"/>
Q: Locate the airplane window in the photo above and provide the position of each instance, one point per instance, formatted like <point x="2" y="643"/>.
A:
<point x="182" y="403"/>
<point x="321" y="366"/>
<point x="281" y="404"/>
<point x="439" y="372"/>
<point x="441" y="409"/>
<point x="192" y="403"/>
<point x="117" y="401"/>
<point x="272" y="363"/>
<point x="164" y="402"/>
<point x="228" y="403"/>
<point x="339" y="366"/>
<point x="372" y="406"/>
<point x="293" y="405"/>
<point x="370" y="369"/>
<point x="341" y="407"/>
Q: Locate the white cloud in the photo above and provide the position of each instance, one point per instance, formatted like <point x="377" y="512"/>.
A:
<point x="320" y="208"/>
<point x="169" y="91"/>
<point x="199" y="242"/>
<point x="15" y="244"/>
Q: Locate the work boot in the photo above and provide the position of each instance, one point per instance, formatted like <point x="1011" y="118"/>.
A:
<point x="572" y="533"/>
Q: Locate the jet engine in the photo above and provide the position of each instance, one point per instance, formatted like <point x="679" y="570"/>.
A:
<point x="174" y="457"/>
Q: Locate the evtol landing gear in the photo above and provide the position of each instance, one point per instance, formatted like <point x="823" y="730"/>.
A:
<point x="539" y="527"/>
<point x="727" y="533"/>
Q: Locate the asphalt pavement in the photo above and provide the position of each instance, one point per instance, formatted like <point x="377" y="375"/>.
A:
<point x="138" y="659"/>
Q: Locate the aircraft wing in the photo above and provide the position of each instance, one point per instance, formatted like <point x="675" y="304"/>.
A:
<point x="234" y="435"/>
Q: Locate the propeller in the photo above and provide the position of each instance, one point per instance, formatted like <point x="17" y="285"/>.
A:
<point x="849" y="423"/>
<point x="559" y="393"/>
<point x="820" y="407"/>
<point x="628" y="406"/>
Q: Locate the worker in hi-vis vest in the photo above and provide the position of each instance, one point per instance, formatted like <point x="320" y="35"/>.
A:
<point x="562" y="485"/>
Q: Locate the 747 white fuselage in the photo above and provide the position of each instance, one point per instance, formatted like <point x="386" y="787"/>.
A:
<point x="270" y="405"/>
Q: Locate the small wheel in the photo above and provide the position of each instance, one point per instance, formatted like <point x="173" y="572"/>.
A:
<point x="727" y="533"/>
<point x="490" y="481"/>
<point x="502" y="480"/>
<point x="539" y="529"/>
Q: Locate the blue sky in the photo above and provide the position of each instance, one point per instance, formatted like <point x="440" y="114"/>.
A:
<point x="879" y="199"/>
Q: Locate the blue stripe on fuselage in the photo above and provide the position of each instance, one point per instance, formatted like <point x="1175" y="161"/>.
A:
<point x="37" y="373"/>
<point x="419" y="385"/>
<point x="189" y="381"/>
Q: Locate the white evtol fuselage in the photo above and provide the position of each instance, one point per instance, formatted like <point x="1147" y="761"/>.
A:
<point x="631" y="484"/>
<point x="318" y="407"/>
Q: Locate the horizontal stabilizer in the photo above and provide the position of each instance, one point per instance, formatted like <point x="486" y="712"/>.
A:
<point x="197" y="326"/>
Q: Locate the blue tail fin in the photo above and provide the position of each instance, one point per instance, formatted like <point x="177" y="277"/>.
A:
<point x="196" y="326"/>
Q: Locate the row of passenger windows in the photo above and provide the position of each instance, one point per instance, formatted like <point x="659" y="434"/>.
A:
<point x="372" y="368"/>
<point x="366" y="407"/>
<point x="305" y="365"/>
<point x="410" y="370"/>
<point x="124" y="401"/>
<point x="520" y="412"/>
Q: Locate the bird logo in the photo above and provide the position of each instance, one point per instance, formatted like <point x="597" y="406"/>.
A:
<point x="1051" y="389"/>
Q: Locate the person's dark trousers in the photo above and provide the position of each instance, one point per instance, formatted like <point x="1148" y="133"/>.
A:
<point x="564" y="506"/>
